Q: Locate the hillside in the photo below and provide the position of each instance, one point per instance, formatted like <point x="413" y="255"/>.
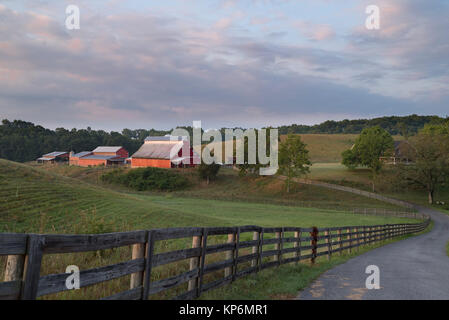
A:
<point x="37" y="200"/>
<point x="230" y="187"/>
<point x="326" y="147"/>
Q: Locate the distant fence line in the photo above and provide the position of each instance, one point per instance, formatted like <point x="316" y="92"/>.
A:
<point x="389" y="213"/>
<point x="371" y="195"/>
<point x="291" y="245"/>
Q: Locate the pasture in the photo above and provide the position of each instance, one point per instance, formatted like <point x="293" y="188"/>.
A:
<point x="42" y="201"/>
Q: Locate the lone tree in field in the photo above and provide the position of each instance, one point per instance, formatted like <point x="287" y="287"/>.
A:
<point x="429" y="154"/>
<point x="293" y="158"/>
<point x="372" y="143"/>
<point x="208" y="171"/>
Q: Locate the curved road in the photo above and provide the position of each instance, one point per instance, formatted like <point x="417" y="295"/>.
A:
<point x="415" y="268"/>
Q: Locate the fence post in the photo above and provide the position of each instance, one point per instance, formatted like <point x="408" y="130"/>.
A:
<point x="313" y="244"/>
<point x="202" y="261"/>
<point x="277" y="246"/>
<point x="236" y="254"/>
<point x="230" y="254"/>
<point x="357" y="238"/>
<point x="297" y="245"/>
<point x="329" y="245"/>
<point x="149" y="249"/>
<point x="340" y="244"/>
<point x="348" y="237"/>
<point x="14" y="267"/>
<point x="32" y="268"/>
<point x="194" y="262"/>
<point x="260" y="249"/>
<point x="364" y="236"/>
<point x="138" y="252"/>
<point x="368" y="240"/>
<point x="255" y="249"/>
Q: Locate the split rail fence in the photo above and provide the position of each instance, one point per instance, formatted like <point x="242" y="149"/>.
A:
<point x="269" y="247"/>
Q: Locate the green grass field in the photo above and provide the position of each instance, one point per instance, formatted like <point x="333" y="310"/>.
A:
<point x="35" y="200"/>
<point x="384" y="184"/>
<point x="41" y="200"/>
<point x="327" y="148"/>
<point x="230" y="187"/>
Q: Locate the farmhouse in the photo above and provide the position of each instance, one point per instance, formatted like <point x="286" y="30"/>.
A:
<point x="399" y="154"/>
<point x="53" y="157"/>
<point x="165" y="152"/>
<point x="101" y="156"/>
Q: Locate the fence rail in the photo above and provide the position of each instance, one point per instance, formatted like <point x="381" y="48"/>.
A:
<point x="389" y="213"/>
<point x="367" y="194"/>
<point x="269" y="247"/>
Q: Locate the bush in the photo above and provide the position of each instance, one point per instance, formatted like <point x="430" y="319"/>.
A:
<point x="147" y="179"/>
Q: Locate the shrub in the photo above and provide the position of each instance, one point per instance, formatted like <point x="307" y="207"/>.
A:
<point x="147" y="179"/>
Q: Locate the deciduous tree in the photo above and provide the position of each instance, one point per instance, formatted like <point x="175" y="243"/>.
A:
<point x="372" y="144"/>
<point x="293" y="158"/>
<point x="429" y="154"/>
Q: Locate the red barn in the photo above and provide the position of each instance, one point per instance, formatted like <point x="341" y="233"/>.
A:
<point x="164" y="152"/>
<point x="104" y="156"/>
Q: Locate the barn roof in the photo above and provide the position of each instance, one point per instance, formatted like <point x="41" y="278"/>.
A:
<point x="81" y="154"/>
<point x="98" y="157"/>
<point x="166" y="138"/>
<point x="55" y="154"/>
<point x="107" y="149"/>
<point x="158" y="150"/>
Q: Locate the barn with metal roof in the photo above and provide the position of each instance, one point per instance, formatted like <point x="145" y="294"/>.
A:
<point x="103" y="155"/>
<point x="165" y="152"/>
<point x="55" y="156"/>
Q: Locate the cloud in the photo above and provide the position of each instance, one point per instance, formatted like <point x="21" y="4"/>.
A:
<point x="315" y="32"/>
<point x="139" y="69"/>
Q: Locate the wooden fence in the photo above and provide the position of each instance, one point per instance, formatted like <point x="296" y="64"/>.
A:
<point x="367" y="194"/>
<point x="389" y="213"/>
<point x="269" y="247"/>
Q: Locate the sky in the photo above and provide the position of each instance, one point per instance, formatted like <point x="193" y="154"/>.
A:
<point x="228" y="63"/>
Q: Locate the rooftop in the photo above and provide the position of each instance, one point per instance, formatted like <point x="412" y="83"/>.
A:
<point x="160" y="150"/>
<point x="99" y="157"/>
<point x="81" y="154"/>
<point x="166" y="138"/>
<point x="54" y="154"/>
<point x="107" y="149"/>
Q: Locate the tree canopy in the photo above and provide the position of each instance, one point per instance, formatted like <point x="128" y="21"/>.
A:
<point x="407" y="125"/>
<point x="372" y="144"/>
<point x="24" y="141"/>
<point x="429" y="155"/>
<point x="293" y="158"/>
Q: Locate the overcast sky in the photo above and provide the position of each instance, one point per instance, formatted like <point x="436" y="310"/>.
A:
<point x="252" y="63"/>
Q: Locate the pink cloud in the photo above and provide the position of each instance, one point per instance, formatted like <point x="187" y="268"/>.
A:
<point x="315" y="32"/>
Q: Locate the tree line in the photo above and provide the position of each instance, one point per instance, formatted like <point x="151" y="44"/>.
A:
<point x="407" y="125"/>
<point x="24" y="141"/>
